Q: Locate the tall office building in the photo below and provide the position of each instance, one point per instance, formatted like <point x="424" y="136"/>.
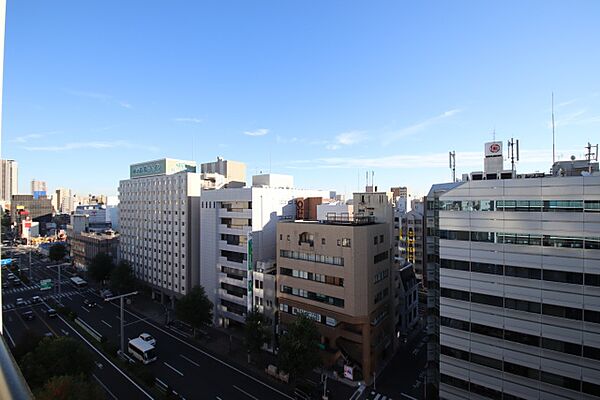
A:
<point x="63" y="201"/>
<point x="519" y="283"/>
<point x="10" y="179"/>
<point x="238" y="229"/>
<point x="338" y="272"/>
<point x="233" y="171"/>
<point x="159" y="225"/>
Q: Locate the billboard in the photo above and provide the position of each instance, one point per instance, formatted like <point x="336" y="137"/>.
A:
<point x="493" y="149"/>
<point x="166" y="166"/>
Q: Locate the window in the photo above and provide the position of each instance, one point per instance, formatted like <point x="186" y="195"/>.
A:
<point x="323" y="241"/>
<point x="562" y="347"/>
<point x="486" y="361"/>
<point x="380" y="257"/>
<point x="563" y="381"/>
<point x="487" y="330"/>
<point x="380" y="238"/>
<point x="487" y="268"/>
<point x="522" y="272"/>
<point x="455" y="294"/>
<point x="561" y="312"/>
<point x="522" y="305"/>
<point x="375" y="240"/>
<point x="345" y="242"/>
<point x="455" y="264"/>
<point x="564" y="277"/>
<point x="486" y="299"/>
<point x="521" y="371"/>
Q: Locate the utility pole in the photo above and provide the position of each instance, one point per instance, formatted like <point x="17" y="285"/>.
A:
<point x="121" y="300"/>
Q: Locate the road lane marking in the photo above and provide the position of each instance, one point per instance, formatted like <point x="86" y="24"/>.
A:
<point x="211" y="356"/>
<point x="191" y="361"/>
<point x="9" y="336"/>
<point x="104" y="386"/>
<point x="106" y="359"/>
<point x="85" y="309"/>
<point x="21" y="319"/>
<point x="106" y="323"/>
<point x="173" y="368"/>
<point x="246" y="393"/>
<point x="44" y="321"/>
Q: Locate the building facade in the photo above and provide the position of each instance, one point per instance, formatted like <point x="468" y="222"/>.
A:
<point x="238" y="228"/>
<point x="339" y="274"/>
<point x="38" y="189"/>
<point x="10" y="179"/>
<point x="159" y="225"/>
<point x="234" y="172"/>
<point x="87" y="245"/>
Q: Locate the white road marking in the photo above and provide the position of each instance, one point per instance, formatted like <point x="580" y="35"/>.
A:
<point x="85" y="309"/>
<point x="191" y="361"/>
<point x="9" y="336"/>
<point x="173" y="368"/>
<point x="105" y="388"/>
<point x="246" y="393"/>
<point x="106" y="323"/>
<point x="212" y="357"/>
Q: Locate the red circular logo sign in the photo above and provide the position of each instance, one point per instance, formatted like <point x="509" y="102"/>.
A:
<point x="494" y="148"/>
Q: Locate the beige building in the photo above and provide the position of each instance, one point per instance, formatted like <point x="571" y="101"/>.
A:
<point x="338" y="272"/>
<point x="233" y="171"/>
<point x="87" y="245"/>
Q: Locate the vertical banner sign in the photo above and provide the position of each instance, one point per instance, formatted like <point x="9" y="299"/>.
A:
<point x="250" y="277"/>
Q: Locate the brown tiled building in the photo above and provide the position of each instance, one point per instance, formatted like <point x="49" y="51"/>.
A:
<point x="338" y="272"/>
<point x="85" y="246"/>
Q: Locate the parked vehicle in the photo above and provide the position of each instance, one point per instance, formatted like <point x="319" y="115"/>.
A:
<point x="51" y="313"/>
<point x="141" y="350"/>
<point x="20" y="302"/>
<point x="89" y="303"/>
<point x="36" y="299"/>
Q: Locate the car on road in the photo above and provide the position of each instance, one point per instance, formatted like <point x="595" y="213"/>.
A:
<point x="89" y="303"/>
<point x="105" y="294"/>
<point x="20" y="302"/>
<point x="5" y="284"/>
<point x="51" y="313"/>
<point x="17" y="282"/>
<point x="146" y="337"/>
<point x="36" y="299"/>
<point x="28" y="315"/>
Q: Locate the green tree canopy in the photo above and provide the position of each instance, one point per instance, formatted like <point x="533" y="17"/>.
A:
<point x="257" y="331"/>
<point x="68" y="387"/>
<point x="121" y="278"/>
<point x="194" y="308"/>
<point x="57" y="252"/>
<point x="100" y="267"/>
<point x="299" y="347"/>
<point x="55" y="357"/>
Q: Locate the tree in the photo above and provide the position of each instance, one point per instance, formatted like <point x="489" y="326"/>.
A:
<point x="121" y="278"/>
<point x="27" y="343"/>
<point x="299" y="347"/>
<point x="57" y="252"/>
<point x="257" y="332"/>
<point x="68" y="387"/>
<point x="194" y="308"/>
<point x="101" y="267"/>
<point x="55" y="357"/>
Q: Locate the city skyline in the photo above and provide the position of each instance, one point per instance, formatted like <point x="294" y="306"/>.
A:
<point x="324" y="93"/>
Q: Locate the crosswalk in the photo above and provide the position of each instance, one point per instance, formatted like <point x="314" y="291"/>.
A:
<point x="20" y="289"/>
<point x="28" y="302"/>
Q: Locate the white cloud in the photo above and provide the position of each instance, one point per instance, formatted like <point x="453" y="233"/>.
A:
<point x="343" y="139"/>
<point x="103" y="97"/>
<point x="257" y="132"/>
<point x="419" y="126"/>
<point x="30" y="136"/>
<point x="281" y="139"/>
<point x="568" y="119"/>
<point x="119" y="144"/>
<point x="125" y="104"/>
<point x="188" y="119"/>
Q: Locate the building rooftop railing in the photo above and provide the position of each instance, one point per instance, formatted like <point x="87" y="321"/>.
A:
<point x="346" y="219"/>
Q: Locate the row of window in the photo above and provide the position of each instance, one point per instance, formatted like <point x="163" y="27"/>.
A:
<point x="381" y="295"/>
<point x="330" y="280"/>
<point x="305" y="237"/>
<point x="380" y="257"/>
<point x="577" y="278"/>
<point x="523" y="338"/>
<point x="320" y="318"/>
<point x="301" y="255"/>
<point x="572" y="242"/>
<point x="519" y="370"/>
<point x="322" y="298"/>
<point x="381" y="276"/>
<point x="521" y="205"/>
<point x="576" y="314"/>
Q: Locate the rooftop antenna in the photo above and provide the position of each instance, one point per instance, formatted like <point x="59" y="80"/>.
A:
<point x="452" y="159"/>
<point x="553" y="134"/>
<point x="511" y="146"/>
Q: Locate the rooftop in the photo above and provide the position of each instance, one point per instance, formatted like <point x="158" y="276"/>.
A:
<point x="343" y="219"/>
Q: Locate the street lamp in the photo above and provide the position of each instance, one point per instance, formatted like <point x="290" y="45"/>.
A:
<point x="121" y="297"/>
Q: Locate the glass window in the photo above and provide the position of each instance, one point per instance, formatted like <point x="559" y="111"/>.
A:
<point x="482" y="237"/>
<point x="562" y="312"/>
<point x="455" y="294"/>
<point x="592" y="243"/>
<point x="455" y="264"/>
<point x="454" y="353"/>
<point x="522" y="338"/>
<point x="563" y="381"/>
<point x="486" y="361"/>
<point x="522" y="272"/>
<point x="486" y="299"/>
<point x="522" y="305"/>
<point x="487" y="268"/>
<point x="521" y="370"/>
<point x="592" y="316"/>
<point x="487" y="330"/>
<point x="562" y="276"/>
<point x="592" y="280"/>
<point x="562" y="347"/>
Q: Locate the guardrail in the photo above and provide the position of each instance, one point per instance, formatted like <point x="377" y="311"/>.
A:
<point x="12" y="383"/>
<point x="93" y="333"/>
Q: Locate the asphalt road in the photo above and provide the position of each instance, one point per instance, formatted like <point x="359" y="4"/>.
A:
<point x="190" y="371"/>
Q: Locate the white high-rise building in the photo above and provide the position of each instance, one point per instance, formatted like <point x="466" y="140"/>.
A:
<point x="159" y="225"/>
<point x="63" y="201"/>
<point x="519" y="279"/>
<point x="10" y="179"/>
<point x="238" y="228"/>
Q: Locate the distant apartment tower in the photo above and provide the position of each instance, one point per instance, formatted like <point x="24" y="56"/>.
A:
<point x="10" y="180"/>
<point x="338" y="273"/>
<point x="38" y="189"/>
<point x="159" y="221"/>
<point x="412" y="238"/>
<point x="233" y="171"/>
<point x="238" y="229"/>
<point x="63" y="201"/>
<point x="519" y="279"/>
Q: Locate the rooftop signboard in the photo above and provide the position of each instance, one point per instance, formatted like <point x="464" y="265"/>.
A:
<point x="166" y="166"/>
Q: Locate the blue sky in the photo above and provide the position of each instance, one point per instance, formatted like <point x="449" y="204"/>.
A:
<point x="320" y="90"/>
